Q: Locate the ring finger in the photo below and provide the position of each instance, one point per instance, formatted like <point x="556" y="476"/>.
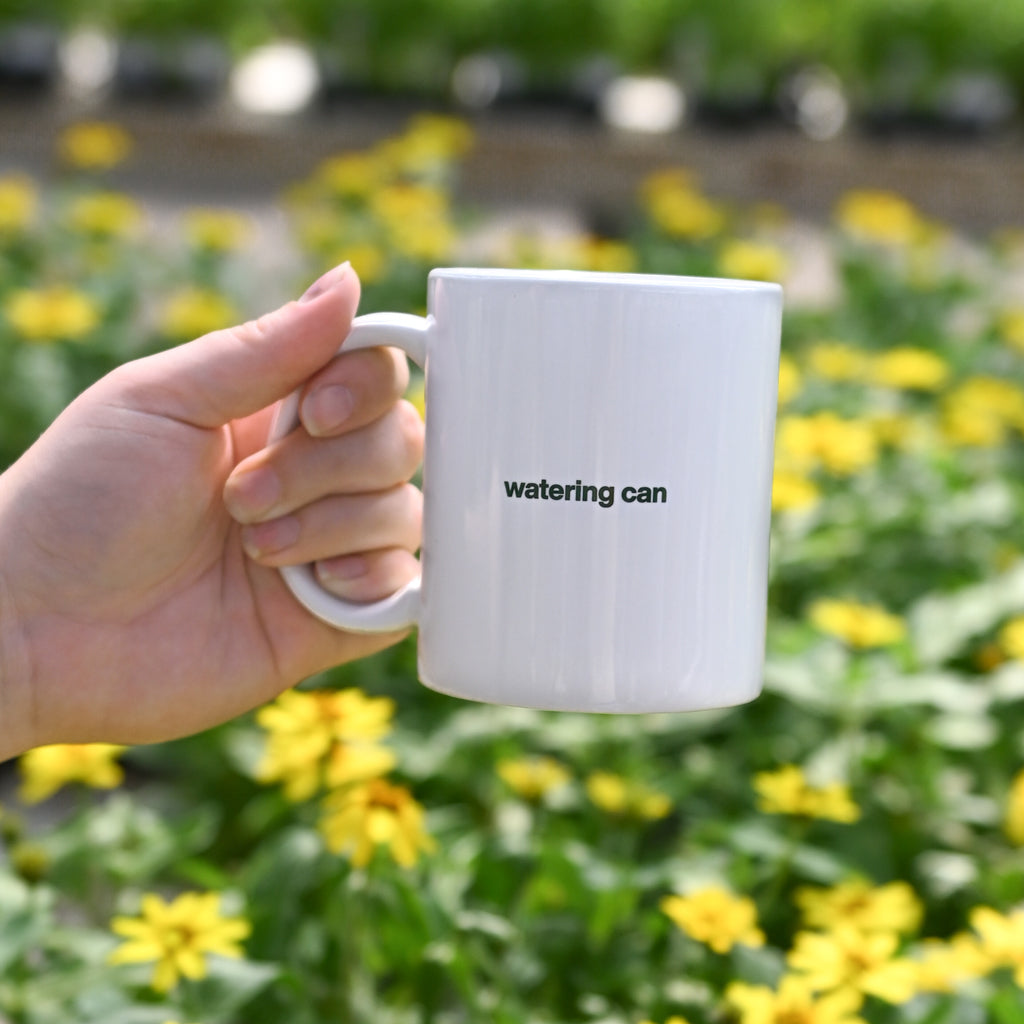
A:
<point x="338" y="525"/>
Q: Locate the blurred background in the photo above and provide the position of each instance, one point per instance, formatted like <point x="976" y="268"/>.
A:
<point x="168" y="167"/>
<point x="573" y="100"/>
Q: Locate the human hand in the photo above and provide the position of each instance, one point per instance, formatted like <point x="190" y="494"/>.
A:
<point x="140" y="535"/>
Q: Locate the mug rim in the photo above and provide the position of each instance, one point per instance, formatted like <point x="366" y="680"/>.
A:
<point x="595" y="277"/>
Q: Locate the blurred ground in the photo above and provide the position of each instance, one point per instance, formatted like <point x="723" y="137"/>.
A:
<point x="549" y="172"/>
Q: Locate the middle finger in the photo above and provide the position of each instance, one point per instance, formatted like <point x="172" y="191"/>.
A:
<point x="300" y="469"/>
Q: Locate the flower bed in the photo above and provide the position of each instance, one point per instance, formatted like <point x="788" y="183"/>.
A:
<point x="844" y="849"/>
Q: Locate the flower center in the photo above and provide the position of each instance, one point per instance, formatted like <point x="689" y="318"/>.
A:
<point x="178" y="937"/>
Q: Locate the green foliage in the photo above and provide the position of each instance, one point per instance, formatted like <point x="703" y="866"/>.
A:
<point x="545" y="905"/>
<point x="886" y="52"/>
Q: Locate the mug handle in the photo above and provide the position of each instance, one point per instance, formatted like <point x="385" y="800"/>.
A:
<point x="401" y="609"/>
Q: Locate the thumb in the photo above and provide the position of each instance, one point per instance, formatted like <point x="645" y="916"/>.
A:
<point x="232" y="373"/>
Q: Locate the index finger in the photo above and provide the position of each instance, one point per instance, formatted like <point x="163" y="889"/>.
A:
<point x="354" y="389"/>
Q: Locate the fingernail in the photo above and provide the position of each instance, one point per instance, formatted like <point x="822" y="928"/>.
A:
<point x="345" y="567"/>
<point x="326" y="409"/>
<point x="252" y="494"/>
<point x="326" y="282"/>
<point x="271" y="537"/>
<point x="336" y="574"/>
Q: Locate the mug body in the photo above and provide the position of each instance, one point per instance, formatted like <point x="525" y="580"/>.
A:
<point x="597" y="488"/>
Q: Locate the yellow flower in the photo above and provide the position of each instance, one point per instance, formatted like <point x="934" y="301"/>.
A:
<point x="974" y="427"/>
<point x="888" y="908"/>
<point x="178" y="936"/>
<point x="844" y="446"/>
<point x="360" y="818"/>
<point x="446" y="136"/>
<point x="716" y="917"/>
<point x="533" y="777"/>
<point x="787" y="791"/>
<point x="1011" y="638"/>
<point x="667" y="180"/>
<point x="415" y="217"/>
<point x="1001" y="938"/>
<point x="910" y="368"/>
<point x="95" y="145"/>
<point x="606" y="255"/>
<point x="617" y="795"/>
<point x="674" y="205"/>
<point x="324" y="736"/>
<point x="899" y="430"/>
<point x="752" y="261"/>
<point x="795" y="1002"/>
<point x="944" y="966"/>
<point x="105" y="214"/>
<point x="835" y="360"/>
<point x="51" y="314"/>
<point x="979" y="411"/>
<point x="18" y="202"/>
<point x="841" y="446"/>
<point x="1013" y="822"/>
<point x="369" y="260"/>
<point x="988" y="657"/>
<point x="796" y="445"/>
<point x="789" y="379"/>
<point x="674" y="1019"/>
<point x="46" y="769"/>
<point x="848" y="960"/>
<point x="428" y="240"/>
<point x="406" y="201"/>
<point x="1010" y="324"/>
<point x="792" y="491"/>
<point x="351" y="175"/>
<point x="417" y="396"/>
<point x="859" y="625"/>
<point x="319" y="234"/>
<point x="216" y="230"/>
<point x="879" y="217"/>
<point x="193" y="312"/>
<point x="430" y="142"/>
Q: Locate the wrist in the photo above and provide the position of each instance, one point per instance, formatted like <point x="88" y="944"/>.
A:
<point x="17" y="715"/>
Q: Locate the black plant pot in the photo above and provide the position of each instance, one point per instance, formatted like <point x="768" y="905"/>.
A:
<point x="962" y="106"/>
<point x="28" y="58"/>
<point x="735" y="113"/>
<point x="189" y="70"/>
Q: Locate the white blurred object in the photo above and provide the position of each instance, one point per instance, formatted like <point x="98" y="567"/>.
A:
<point x="481" y="79"/>
<point x="815" y="100"/>
<point x="982" y="100"/>
<point x="88" y="60"/>
<point x="279" y="78"/>
<point x="643" y="104"/>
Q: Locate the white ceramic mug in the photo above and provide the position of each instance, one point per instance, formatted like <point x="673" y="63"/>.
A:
<point x="597" y="488"/>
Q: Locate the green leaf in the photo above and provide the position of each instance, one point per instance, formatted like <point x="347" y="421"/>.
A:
<point x="26" y="917"/>
<point x="228" y="986"/>
<point x="1006" y="1006"/>
<point x="963" y="731"/>
<point x="942" y="624"/>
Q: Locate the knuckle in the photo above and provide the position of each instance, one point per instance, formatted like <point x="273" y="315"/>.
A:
<point x="252" y="331"/>
<point x="412" y="508"/>
<point x="408" y="434"/>
<point x="332" y="373"/>
<point x="398" y="370"/>
<point x="378" y="372"/>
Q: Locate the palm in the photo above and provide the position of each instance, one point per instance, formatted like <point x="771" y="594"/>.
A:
<point x="161" y="579"/>
<point x="129" y="610"/>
